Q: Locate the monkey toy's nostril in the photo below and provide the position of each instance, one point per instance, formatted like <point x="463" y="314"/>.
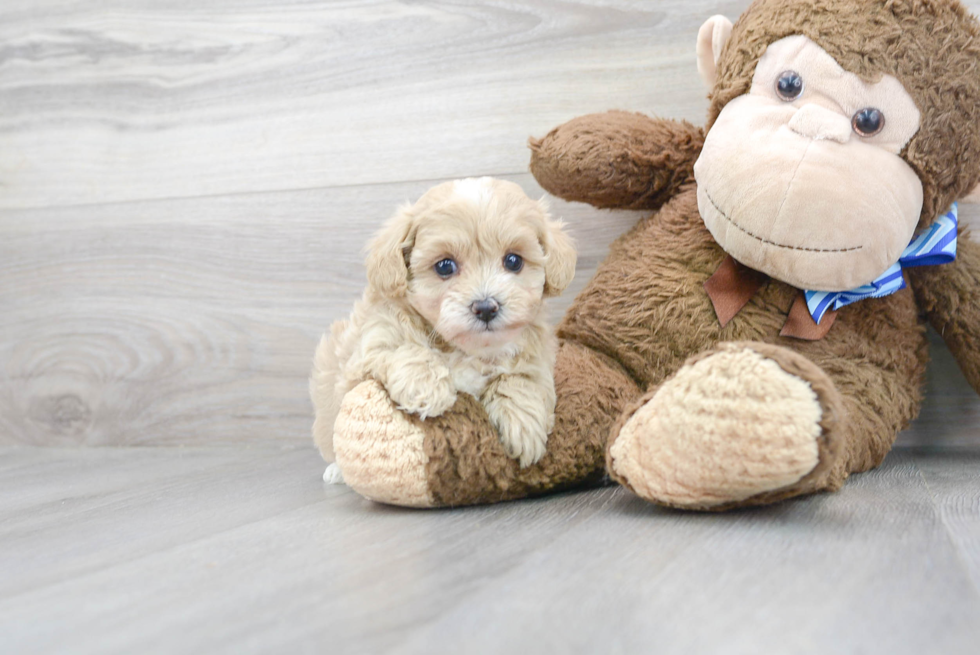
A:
<point x="485" y="310"/>
<point x="820" y="123"/>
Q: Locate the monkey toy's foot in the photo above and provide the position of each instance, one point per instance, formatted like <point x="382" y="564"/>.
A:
<point x="743" y="424"/>
<point x="380" y="449"/>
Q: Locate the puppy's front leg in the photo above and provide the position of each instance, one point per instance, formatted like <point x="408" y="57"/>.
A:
<point x="522" y="409"/>
<point x="418" y="381"/>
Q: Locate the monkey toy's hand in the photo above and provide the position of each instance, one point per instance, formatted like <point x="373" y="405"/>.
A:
<point x="617" y="160"/>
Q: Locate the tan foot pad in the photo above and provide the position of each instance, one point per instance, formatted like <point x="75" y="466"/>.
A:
<point x="380" y="450"/>
<point x="726" y="427"/>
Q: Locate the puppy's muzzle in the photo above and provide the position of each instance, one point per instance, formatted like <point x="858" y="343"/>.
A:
<point x="485" y="310"/>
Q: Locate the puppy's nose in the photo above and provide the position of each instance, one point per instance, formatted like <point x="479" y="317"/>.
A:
<point x="485" y="310"/>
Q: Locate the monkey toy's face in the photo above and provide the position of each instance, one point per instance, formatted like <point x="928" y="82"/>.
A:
<point x="802" y="178"/>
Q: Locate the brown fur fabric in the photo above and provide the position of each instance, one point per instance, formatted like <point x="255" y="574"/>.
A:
<point x="617" y="159"/>
<point x="467" y="464"/>
<point x="948" y="296"/>
<point x="931" y="46"/>
<point x="830" y="472"/>
<point x="646" y="308"/>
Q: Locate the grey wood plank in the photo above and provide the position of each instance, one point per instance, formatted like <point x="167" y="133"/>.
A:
<point x="136" y="100"/>
<point x="952" y="476"/>
<point x="70" y="512"/>
<point x="77" y="475"/>
<point x="950" y="415"/>
<point x="865" y="570"/>
<point x="869" y="569"/>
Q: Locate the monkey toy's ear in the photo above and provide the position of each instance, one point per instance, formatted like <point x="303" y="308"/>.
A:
<point x="712" y="37"/>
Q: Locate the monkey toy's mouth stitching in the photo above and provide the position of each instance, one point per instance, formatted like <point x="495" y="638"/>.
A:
<point x="773" y="243"/>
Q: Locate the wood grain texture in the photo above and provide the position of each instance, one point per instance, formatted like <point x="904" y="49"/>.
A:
<point x="953" y="479"/>
<point x="185" y="190"/>
<point x="171" y="550"/>
<point x="137" y="100"/>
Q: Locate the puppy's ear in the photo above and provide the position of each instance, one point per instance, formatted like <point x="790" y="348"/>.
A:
<point x="388" y="254"/>
<point x="559" y="253"/>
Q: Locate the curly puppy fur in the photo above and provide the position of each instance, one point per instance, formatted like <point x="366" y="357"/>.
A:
<point x="418" y="333"/>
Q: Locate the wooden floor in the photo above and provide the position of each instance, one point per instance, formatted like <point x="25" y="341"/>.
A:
<point x="146" y="550"/>
<point x="185" y="188"/>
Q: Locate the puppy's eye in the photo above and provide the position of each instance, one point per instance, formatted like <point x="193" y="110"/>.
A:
<point x="789" y="86"/>
<point x="868" y="122"/>
<point x="446" y="268"/>
<point x="513" y="263"/>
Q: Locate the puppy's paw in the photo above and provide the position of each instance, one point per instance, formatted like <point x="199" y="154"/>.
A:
<point x="522" y="428"/>
<point x="426" y="390"/>
<point x="333" y="475"/>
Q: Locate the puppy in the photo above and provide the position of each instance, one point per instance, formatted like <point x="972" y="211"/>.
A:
<point x="454" y="304"/>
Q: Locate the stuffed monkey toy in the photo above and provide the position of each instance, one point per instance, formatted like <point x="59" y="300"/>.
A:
<point x="761" y="334"/>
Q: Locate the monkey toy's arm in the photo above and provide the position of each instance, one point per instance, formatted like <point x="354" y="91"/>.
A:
<point x="617" y="160"/>
<point x="950" y="296"/>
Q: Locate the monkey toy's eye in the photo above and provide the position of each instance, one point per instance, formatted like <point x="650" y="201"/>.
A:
<point x="513" y="263"/>
<point x="868" y="122"/>
<point x="446" y="268"/>
<point x="789" y="86"/>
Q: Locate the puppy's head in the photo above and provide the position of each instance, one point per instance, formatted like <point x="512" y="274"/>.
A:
<point x="473" y="257"/>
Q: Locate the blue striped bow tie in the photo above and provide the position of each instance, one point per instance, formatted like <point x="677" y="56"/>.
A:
<point x="937" y="245"/>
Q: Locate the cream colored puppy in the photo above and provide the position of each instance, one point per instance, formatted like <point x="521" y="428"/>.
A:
<point x="454" y="304"/>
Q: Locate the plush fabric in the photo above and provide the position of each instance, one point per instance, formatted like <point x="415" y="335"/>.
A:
<point x="467" y="465"/>
<point x="723" y="404"/>
<point x="787" y="186"/>
<point x="617" y="159"/>
<point x="646" y="308"/>
<point x="380" y="449"/>
<point x="948" y="296"/>
<point x="930" y="46"/>
<point x="806" y="211"/>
